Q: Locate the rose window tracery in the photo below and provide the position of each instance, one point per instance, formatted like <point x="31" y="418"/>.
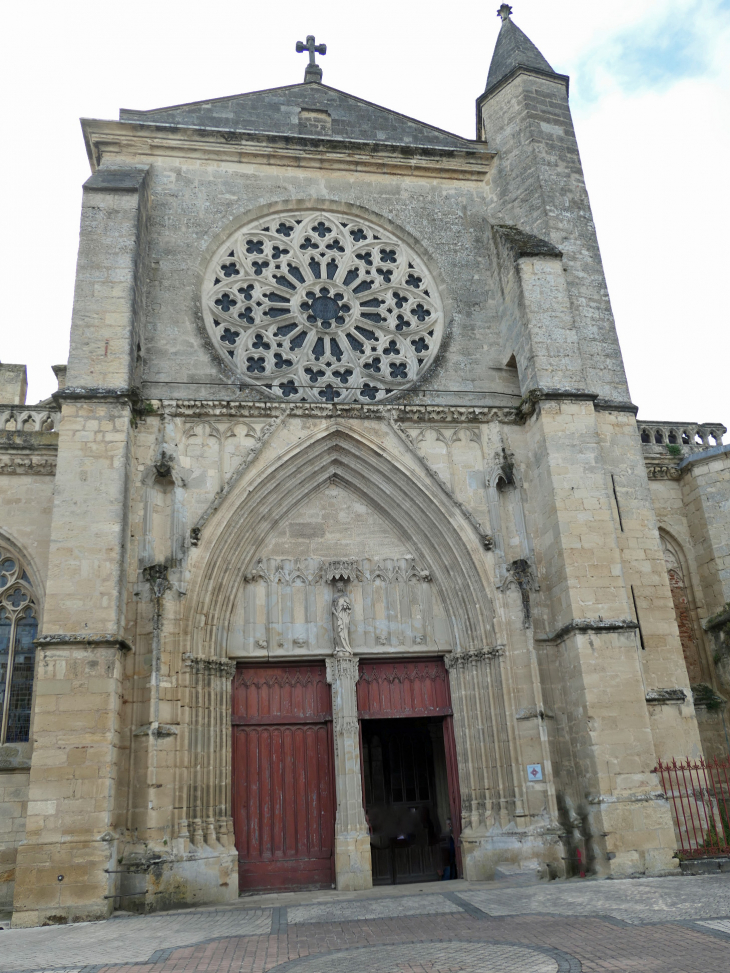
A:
<point x="323" y="307"/>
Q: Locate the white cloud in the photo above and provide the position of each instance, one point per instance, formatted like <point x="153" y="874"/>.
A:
<point x="653" y="150"/>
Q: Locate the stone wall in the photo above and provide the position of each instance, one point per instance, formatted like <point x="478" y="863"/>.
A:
<point x="27" y="464"/>
<point x="13" y="810"/>
<point x="690" y="493"/>
<point x="497" y="514"/>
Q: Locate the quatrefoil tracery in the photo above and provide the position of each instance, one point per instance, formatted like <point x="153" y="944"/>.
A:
<point x="324" y="307"/>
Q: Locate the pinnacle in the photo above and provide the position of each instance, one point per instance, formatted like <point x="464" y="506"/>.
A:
<point x="514" y="49"/>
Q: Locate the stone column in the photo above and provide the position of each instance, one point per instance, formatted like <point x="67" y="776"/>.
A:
<point x="352" y="841"/>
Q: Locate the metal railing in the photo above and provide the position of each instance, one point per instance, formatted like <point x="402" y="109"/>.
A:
<point x="699" y="794"/>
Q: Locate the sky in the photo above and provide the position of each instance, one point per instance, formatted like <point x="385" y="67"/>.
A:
<point x="650" y="95"/>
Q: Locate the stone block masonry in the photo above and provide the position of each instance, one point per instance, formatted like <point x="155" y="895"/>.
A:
<point x="345" y="389"/>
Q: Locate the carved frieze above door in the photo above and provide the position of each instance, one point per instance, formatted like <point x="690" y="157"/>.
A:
<point x="284" y="607"/>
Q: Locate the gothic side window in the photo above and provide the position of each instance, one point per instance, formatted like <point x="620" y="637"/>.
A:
<point x="687" y="635"/>
<point x="18" y="630"/>
<point x="324" y="307"/>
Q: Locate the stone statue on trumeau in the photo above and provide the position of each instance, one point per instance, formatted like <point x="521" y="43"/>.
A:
<point x="341" y="612"/>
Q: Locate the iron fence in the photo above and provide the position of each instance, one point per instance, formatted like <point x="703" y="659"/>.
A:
<point x="699" y="794"/>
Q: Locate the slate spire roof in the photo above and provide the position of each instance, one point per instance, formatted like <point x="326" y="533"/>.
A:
<point x="514" y="50"/>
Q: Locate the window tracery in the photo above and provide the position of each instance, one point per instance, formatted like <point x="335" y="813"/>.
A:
<point x="18" y="630"/>
<point x="322" y="307"/>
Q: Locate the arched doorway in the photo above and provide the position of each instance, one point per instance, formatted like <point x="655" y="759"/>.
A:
<point x="416" y="577"/>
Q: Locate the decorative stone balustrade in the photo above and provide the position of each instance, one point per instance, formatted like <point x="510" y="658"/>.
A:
<point x="691" y="436"/>
<point x="24" y="419"/>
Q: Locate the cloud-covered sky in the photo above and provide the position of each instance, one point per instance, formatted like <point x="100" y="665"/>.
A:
<point x="650" y="93"/>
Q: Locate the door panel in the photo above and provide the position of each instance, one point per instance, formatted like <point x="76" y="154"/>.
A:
<point x="283" y="787"/>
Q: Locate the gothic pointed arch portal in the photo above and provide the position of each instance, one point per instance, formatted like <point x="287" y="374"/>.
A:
<point x="429" y="543"/>
<point x="438" y="535"/>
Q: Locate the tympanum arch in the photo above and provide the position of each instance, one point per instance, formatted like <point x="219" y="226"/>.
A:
<point x="436" y="532"/>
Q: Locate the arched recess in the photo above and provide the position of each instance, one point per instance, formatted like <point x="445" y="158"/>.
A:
<point x="685" y="607"/>
<point x="441" y="539"/>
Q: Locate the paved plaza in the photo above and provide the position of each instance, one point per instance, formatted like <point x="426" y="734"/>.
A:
<point x="672" y="925"/>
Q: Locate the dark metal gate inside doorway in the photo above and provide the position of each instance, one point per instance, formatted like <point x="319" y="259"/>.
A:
<point x="408" y="760"/>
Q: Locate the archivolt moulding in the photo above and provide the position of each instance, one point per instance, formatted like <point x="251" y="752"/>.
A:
<point x="425" y="520"/>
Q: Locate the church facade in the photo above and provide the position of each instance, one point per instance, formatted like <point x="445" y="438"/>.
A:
<point x="340" y="557"/>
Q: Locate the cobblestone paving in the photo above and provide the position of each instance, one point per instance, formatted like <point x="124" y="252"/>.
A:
<point x="634" y="901"/>
<point x="430" y="958"/>
<point x="677" y="925"/>
<point x="406" y="905"/>
<point x="125" y="939"/>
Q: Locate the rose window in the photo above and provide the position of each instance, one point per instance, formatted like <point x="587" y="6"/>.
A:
<point x="323" y="307"/>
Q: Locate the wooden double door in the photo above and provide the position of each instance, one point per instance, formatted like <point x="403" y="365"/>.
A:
<point x="283" y="786"/>
<point x="283" y="772"/>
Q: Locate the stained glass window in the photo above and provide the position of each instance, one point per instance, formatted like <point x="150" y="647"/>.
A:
<point x="18" y="630"/>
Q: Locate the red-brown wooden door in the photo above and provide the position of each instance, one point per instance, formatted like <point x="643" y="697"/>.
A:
<point x="283" y="800"/>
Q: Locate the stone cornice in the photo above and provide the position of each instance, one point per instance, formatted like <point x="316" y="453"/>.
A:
<point x="227" y="408"/>
<point x="543" y="394"/>
<point x="597" y="625"/>
<point x="108" y="140"/>
<point x="704" y="456"/>
<point x="89" y="640"/>
<point x="561" y="79"/>
<point x="106" y="393"/>
<point x="615" y="405"/>
<point x="23" y="441"/>
<point x="29" y="462"/>
<point x="659" y="696"/>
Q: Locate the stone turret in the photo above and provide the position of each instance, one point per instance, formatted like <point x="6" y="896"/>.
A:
<point x="538" y="186"/>
<point x="13" y="384"/>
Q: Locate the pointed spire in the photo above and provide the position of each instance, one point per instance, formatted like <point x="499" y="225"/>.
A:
<point x="514" y="50"/>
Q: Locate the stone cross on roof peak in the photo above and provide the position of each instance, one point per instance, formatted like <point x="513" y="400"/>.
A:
<point x="313" y="71"/>
<point x="504" y="11"/>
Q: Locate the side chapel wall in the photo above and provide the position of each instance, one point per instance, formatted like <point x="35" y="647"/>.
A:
<point x="25" y="525"/>
<point x="690" y="592"/>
